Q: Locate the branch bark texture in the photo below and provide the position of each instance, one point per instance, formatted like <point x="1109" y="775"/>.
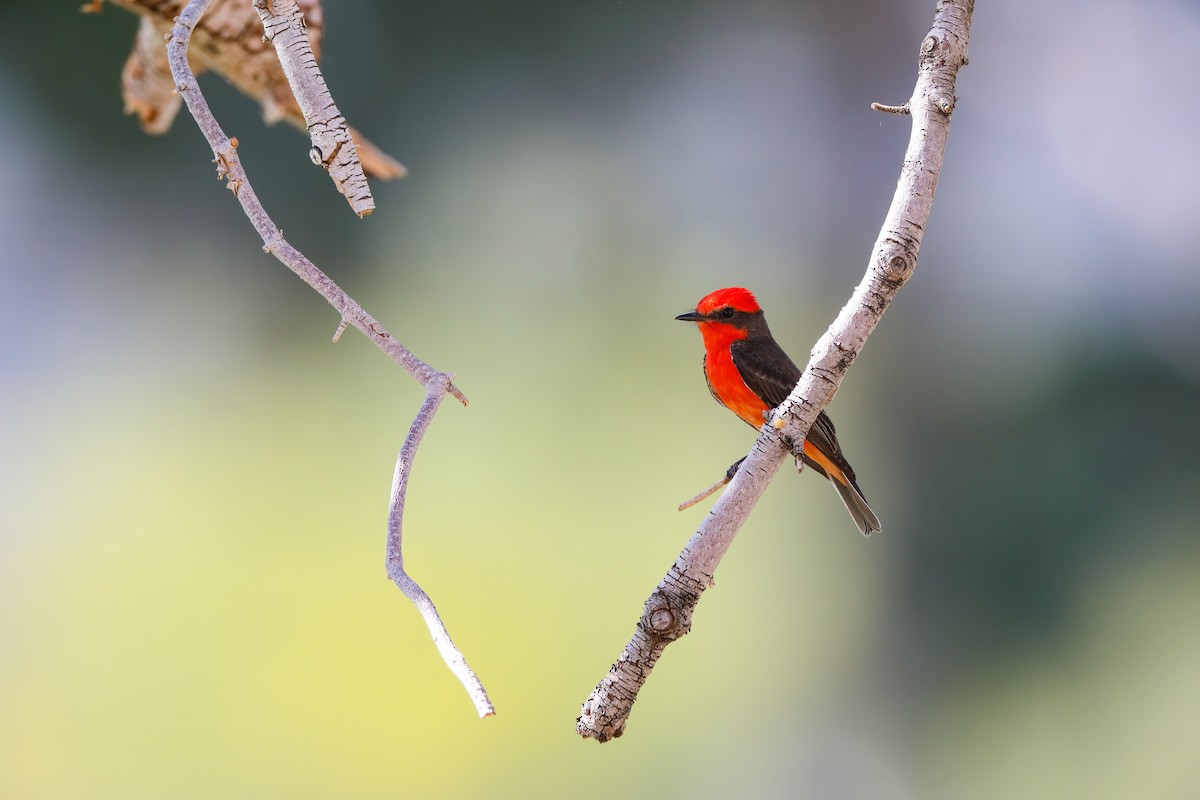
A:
<point x="667" y="614"/>
<point x="437" y="384"/>
<point x="332" y="145"/>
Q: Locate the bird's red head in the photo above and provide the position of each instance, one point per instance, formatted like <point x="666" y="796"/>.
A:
<point x="734" y="297"/>
<point x="727" y="315"/>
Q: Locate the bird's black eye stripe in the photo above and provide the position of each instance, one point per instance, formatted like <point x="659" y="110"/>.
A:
<point x="726" y="312"/>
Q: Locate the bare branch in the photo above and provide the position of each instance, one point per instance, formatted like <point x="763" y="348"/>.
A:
<point x="332" y="145"/>
<point x="436" y="383"/>
<point x="668" y="612"/>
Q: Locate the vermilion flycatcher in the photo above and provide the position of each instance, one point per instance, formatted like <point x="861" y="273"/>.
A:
<point x="749" y="374"/>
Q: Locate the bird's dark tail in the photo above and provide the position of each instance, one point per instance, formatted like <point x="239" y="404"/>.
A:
<point x="856" y="504"/>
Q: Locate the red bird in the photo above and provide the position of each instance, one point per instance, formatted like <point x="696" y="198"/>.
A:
<point x="748" y="373"/>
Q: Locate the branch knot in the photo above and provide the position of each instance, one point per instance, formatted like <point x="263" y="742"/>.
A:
<point x="666" y="619"/>
<point x="661" y="619"/>
<point x="897" y="258"/>
<point x="667" y="614"/>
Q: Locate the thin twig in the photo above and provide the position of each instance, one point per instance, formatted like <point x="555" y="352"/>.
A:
<point x="341" y="328"/>
<point x="709" y="492"/>
<point x="902" y="109"/>
<point x="395" y="557"/>
<point x="668" y="612"/>
<point x="332" y="145"/>
<point x="436" y="383"/>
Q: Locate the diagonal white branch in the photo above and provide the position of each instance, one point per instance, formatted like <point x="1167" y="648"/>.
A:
<point x="332" y="144"/>
<point x="437" y="384"/>
<point x="668" y="612"/>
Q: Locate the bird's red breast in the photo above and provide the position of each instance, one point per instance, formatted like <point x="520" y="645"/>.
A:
<point x="724" y="380"/>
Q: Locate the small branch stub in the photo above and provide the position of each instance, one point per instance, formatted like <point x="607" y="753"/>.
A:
<point x="900" y="109"/>
<point x="341" y="328"/>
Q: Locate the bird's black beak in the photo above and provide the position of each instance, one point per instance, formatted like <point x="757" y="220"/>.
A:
<point x="690" y="316"/>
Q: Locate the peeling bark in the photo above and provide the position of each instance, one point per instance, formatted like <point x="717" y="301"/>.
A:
<point x="229" y="41"/>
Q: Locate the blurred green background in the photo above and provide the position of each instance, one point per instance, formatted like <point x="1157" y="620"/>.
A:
<point x="194" y="480"/>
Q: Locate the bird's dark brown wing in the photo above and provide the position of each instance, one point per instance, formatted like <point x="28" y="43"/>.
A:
<point x="765" y="368"/>
<point x="770" y="374"/>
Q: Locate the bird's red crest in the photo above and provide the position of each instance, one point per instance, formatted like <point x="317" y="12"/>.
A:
<point x="735" y="297"/>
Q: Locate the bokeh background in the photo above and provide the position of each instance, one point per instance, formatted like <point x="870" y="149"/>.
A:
<point x="193" y="479"/>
